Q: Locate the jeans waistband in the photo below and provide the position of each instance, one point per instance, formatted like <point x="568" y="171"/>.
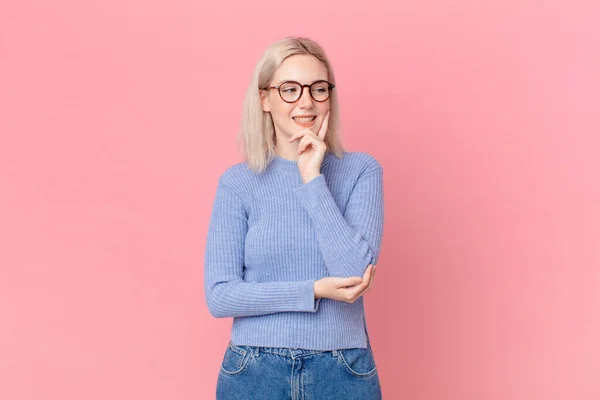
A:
<point x="287" y="351"/>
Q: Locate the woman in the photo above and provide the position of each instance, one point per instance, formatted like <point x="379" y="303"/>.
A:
<point x="294" y="235"/>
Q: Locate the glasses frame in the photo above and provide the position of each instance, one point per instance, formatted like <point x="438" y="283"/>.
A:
<point x="331" y="86"/>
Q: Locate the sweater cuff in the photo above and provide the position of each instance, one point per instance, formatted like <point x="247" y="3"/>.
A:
<point x="310" y="191"/>
<point x="306" y="298"/>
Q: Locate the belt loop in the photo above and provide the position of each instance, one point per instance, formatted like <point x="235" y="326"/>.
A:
<point x="257" y="351"/>
<point x="334" y="353"/>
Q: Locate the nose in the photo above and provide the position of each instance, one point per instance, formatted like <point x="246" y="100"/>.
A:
<point x="305" y="100"/>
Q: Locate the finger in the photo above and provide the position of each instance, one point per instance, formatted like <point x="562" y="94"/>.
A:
<point x="365" y="281"/>
<point x="300" y="134"/>
<point x="368" y="278"/>
<point x="368" y="271"/>
<point x="356" y="291"/>
<point x="307" y="140"/>
<point x="366" y="289"/>
<point x="351" y="281"/>
<point x="371" y="280"/>
<point x="324" y="126"/>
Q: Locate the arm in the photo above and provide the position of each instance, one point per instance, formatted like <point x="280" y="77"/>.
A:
<point x="227" y="295"/>
<point x="349" y="242"/>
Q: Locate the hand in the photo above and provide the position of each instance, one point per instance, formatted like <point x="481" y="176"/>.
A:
<point x="368" y="288"/>
<point x="344" y="289"/>
<point x="312" y="149"/>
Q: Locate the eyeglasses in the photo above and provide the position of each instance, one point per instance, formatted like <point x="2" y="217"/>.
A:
<point x="291" y="91"/>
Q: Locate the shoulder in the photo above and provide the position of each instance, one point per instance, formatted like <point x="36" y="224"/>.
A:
<point x="234" y="173"/>
<point x="234" y="180"/>
<point x="236" y="177"/>
<point x="358" y="161"/>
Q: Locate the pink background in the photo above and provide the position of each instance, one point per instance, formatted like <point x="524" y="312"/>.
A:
<point x="117" y="117"/>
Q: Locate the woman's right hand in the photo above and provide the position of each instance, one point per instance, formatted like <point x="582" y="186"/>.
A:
<point x="344" y="289"/>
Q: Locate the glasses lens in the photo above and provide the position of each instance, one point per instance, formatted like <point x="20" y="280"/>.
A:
<point x="290" y="91"/>
<point x="320" y="90"/>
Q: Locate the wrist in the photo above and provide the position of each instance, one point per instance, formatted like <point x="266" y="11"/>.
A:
<point x="316" y="290"/>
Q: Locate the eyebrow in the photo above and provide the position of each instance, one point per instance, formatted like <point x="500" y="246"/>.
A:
<point x="291" y="80"/>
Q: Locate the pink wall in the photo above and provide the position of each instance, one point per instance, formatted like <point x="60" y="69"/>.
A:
<point x="117" y="117"/>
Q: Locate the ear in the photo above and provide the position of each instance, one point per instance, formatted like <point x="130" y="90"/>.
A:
<point x="264" y="100"/>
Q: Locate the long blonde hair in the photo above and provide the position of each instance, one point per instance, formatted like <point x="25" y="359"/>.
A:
<point x="257" y="133"/>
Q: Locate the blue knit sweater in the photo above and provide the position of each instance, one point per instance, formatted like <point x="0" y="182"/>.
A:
<point x="270" y="237"/>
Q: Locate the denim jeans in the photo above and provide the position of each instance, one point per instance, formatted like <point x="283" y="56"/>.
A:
<point x="264" y="373"/>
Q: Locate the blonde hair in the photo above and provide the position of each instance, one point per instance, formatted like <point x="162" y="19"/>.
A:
<point x="257" y="132"/>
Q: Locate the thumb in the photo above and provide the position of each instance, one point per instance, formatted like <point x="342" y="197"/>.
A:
<point x="351" y="281"/>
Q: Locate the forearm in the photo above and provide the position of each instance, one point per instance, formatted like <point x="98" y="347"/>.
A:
<point x="239" y="299"/>
<point x="350" y="242"/>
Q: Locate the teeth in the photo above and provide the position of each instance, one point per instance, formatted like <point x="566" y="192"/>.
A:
<point x="304" y="120"/>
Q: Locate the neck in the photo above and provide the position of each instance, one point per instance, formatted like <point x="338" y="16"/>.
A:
<point x="290" y="166"/>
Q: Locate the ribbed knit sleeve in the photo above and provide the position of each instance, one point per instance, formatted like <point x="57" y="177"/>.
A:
<point x="349" y="242"/>
<point x="227" y="294"/>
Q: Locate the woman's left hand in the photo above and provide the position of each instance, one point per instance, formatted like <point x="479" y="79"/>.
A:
<point x="369" y="279"/>
<point x="312" y="149"/>
<point x="368" y="288"/>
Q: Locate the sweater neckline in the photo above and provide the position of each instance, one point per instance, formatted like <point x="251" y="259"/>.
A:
<point x="283" y="165"/>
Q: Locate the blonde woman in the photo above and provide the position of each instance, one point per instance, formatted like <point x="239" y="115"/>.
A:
<point x="293" y="240"/>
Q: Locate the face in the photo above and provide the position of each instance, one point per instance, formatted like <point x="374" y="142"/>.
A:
<point x="304" y="69"/>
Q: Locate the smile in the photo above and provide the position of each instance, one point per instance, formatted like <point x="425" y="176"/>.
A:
<point x="304" y="119"/>
<point x="305" y="122"/>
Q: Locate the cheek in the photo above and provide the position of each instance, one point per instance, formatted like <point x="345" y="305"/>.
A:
<point x="281" y="112"/>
